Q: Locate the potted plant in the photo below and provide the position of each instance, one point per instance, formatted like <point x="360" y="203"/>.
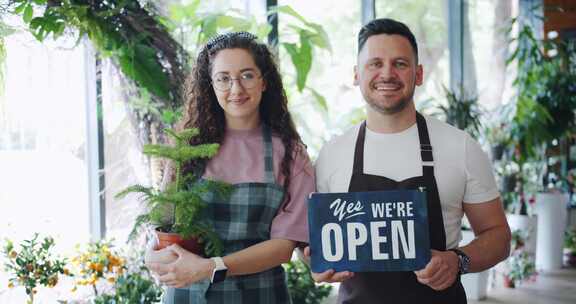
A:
<point x="570" y="248"/>
<point x="462" y="111"/>
<point x="176" y="210"/>
<point x="33" y="265"/>
<point x="132" y="287"/>
<point x="301" y="286"/>
<point x="520" y="267"/>
<point x="97" y="264"/>
<point x="497" y="136"/>
<point x="520" y="264"/>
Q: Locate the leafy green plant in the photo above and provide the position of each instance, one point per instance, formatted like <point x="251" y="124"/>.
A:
<point x="178" y="207"/>
<point x="301" y="286"/>
<point x="122" y="29"/>
<point x="132" y="287"/>
<point x="97" y="262"/>
<point x="545" y="86"/>
<point x="462" y="111"/>
<point x="520" y="267"/>
<point x="33" y="265"/>
<point x="570" y="240"/>
<point x="570" y="247"/>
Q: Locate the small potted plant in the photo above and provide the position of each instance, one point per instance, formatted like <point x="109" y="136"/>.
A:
<point x="176" y="210"/>
<point x="301" y="286"/>
<point x="520" y="267"/>
<point x="497" y="136"/>
<point x="570" y="248"/>
<point x="33" y="265"/>
<point x="462" y="110"/>
<point x="132" y="287"/>
<point x="97" y="263"/>
<point x="520" y="264"/>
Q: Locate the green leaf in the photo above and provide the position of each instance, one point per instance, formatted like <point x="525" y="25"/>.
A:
<point x="36" y="22"/>
<point x="286" y="9"/>
<point x="209" y="27"/>
<point x="320" y="100"/>
<point x="235" y="23"/>
<point x="304" y="61"/>
<point x="28" y="13"/>
<point x="321" y="38"/>
<point x="20" y="8"/>
<point x="141" y="64"/>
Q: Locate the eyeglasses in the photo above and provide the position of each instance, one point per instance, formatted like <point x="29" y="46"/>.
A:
<point x="223" y="81"/>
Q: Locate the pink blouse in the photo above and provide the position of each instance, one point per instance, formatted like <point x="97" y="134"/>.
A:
<point x="241" y="159"/>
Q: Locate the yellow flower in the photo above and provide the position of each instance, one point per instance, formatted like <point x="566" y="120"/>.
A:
<point x="13" y="254"/>
<point x="111" y="279"/>
<point x="10" y="285"/>
<point x="73" y="289"/>
<point x="66" y="271"/>
<point x="52" y="281"/>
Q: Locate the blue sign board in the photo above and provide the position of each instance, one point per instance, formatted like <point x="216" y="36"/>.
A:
<point x="369" y="231"/>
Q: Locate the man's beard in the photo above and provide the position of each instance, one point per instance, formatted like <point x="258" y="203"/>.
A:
<point x="397" y="108"/>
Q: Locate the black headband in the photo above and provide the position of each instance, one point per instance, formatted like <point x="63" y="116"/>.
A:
<point x="222" y="37"/>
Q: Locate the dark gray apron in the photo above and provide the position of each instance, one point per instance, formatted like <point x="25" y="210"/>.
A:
<point x="401" y="287"/>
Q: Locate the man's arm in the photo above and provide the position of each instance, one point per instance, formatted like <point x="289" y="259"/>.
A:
<point x="491" y="245"/>
<point x="492" y="242"/>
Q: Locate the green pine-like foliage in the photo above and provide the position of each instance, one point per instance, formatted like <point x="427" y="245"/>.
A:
<point x="178" y="207"/>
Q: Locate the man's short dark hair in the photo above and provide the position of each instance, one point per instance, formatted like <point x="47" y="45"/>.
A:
<point x="386" y="26"/>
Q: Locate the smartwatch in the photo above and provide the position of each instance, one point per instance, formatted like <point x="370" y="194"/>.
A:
<point x="463" y="261"/>
<point x="219" y="273"/>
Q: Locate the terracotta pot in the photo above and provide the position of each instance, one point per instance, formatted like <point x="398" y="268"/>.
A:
<point x="166" y="239"/>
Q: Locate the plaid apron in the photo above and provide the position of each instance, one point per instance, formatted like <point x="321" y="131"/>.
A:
<point x="241" y="221"/>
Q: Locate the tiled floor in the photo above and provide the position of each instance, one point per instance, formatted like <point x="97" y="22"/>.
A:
<point x="558" y="287"/>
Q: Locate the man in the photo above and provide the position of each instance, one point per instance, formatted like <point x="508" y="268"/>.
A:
<point x="397" y="148"/>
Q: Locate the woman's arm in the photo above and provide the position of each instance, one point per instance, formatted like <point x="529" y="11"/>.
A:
<point x="259" y="257"/>
<point x="189" y="268"/>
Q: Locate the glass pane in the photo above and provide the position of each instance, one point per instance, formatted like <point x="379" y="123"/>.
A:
<point x="43" y="177"/>
<point x="331" y="74"/>
<point x="428" y="22"/>
<point x="486" y="51"/>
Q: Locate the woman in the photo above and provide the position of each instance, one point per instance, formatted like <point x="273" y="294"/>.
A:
<point x="236" y="98"/>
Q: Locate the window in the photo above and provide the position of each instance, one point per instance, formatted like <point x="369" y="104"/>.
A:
<point x="331" y="75"/>
<point x="428" y="22"/>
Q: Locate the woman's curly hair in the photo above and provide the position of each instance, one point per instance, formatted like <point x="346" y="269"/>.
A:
<point x="202" y="110"/>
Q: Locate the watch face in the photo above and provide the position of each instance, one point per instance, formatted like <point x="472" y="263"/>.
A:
<point x="219" y="275"/>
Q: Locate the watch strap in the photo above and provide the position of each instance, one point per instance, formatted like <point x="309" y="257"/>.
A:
<point x="463" y="261"/>
<point x="219" y="262"/>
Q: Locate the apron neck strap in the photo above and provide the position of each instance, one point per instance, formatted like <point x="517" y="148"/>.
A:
<point x="268" y="154"/>
<point x="359" y="150"/>
<point x="425" y="147"/>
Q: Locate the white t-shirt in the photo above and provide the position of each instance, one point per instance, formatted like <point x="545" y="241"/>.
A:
<point x="463" y="171"/>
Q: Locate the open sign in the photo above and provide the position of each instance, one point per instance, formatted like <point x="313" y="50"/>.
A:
<point x="369" y="231"/>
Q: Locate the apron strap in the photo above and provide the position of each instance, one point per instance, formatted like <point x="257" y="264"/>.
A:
<point x="268" y="155"/>
<point x="425" y="147"/>
<point x="437" y="240"/>
<point x="359" y="150"/>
